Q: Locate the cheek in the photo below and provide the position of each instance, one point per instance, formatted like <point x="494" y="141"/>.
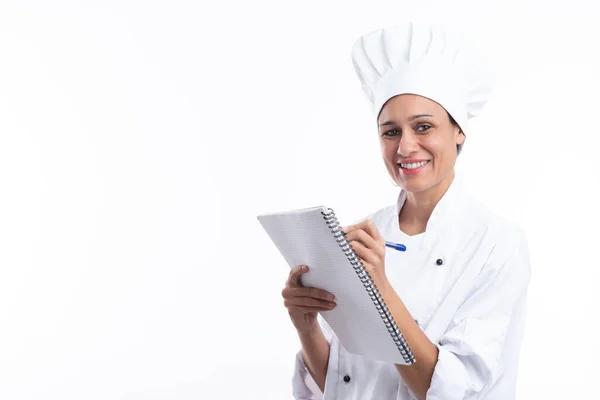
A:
<point x="439" y="148"/>
<point x="388" y="150"/>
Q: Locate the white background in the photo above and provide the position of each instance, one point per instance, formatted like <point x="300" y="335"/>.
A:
<point x="139" y="140"/>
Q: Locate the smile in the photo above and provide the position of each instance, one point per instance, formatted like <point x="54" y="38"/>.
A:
<point x="412" y="169"/>
<point x="413" y="165"/>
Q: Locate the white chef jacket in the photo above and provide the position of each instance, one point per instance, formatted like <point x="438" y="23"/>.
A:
<point x="472" y="306"/>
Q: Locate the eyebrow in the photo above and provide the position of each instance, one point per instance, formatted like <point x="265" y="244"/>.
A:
<point x="391" y="122"/>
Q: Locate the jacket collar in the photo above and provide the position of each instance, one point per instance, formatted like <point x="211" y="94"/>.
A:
<point x="446" y="212"/>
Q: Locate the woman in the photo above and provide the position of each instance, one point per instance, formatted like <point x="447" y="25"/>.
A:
<point x="458" y="295"/>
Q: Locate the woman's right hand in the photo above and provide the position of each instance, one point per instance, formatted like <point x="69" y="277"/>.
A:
<point x="304" y="303"/>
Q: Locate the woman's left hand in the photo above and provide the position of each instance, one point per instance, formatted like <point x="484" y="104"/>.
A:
<point x="369" y="246"/>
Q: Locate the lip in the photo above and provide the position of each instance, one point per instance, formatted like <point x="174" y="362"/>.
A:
<point x="411" y="160"/>
<point x="412" y="172"/>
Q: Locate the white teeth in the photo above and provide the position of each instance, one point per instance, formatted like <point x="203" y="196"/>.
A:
<point x="413" y="165"/>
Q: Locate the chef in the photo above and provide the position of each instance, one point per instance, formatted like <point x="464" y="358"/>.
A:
<point x="458" y="295"/>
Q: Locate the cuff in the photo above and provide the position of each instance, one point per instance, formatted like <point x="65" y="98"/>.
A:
<point x="450" y="379"/>
<point x="304" y="386"/>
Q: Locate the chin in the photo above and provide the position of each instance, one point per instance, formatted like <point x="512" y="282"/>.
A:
<point x="420" y="183"/>
<point x="414" y="186"/>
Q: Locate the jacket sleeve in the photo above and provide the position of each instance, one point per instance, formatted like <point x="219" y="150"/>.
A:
<point x="304" y="386"/>
<point x="470" y="351"/>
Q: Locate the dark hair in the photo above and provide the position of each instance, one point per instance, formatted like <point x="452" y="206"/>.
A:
<point x="453" y="122"/>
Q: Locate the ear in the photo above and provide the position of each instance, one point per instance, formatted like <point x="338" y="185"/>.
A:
<point x="460" y="139"/>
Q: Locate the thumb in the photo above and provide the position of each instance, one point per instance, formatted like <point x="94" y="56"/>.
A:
<point x="295" y="274"/>
<point x="349" y="228"/>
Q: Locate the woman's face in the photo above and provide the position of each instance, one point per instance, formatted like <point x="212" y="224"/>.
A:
<point x="418" y="142"/>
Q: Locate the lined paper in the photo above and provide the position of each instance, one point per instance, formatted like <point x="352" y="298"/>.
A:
<point x="304" y="238"/>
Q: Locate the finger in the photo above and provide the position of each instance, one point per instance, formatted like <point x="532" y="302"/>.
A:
<point x="294" y="276"/>
<point x="362" y="236"/>
<point x="367" y="241"/>
<point x="308" y="302"/>
<point x="368" y="226"/>
<point x="371" y="229"/>
<point x="305" y="310"/>
<point x="351" y="228"/>
<point x="364" y="253"/>
<point x="307" y="292"/>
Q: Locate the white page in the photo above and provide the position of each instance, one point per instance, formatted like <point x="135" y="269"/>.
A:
<point x="304" y="238"/>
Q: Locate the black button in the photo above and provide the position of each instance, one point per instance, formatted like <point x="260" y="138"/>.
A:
<point x="439" y="261"/>
<point x="347" y="379"/>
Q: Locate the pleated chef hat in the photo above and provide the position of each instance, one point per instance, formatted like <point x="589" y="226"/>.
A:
<point x="423" y="59"/>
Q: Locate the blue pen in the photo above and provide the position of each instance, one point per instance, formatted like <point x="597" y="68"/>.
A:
<point x="395" y="246"/>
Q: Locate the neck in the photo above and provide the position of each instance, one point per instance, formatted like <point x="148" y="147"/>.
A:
<point x="418" y="207"/>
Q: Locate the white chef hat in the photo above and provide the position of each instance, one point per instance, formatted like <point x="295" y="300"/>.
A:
<point x="423" y="59"/>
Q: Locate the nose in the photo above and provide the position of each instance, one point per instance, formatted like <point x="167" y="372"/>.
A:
<point x="407" y="144"/>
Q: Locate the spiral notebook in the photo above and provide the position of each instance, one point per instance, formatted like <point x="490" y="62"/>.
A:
<point x="361" y="321"/>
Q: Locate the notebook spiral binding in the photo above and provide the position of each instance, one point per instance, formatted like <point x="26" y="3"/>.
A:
<point x="365" y="278"/>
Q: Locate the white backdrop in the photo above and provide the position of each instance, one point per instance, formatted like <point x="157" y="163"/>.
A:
<point x="140" y="139"/>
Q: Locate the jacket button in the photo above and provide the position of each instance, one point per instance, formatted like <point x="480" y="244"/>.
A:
<point x="439" y="261"/>
<point x="346" y="378"/>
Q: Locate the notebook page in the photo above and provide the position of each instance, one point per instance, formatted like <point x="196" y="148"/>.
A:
<point x="303" y="237"/>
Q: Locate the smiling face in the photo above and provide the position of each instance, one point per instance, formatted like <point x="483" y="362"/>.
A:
<point x="418" y="142"/>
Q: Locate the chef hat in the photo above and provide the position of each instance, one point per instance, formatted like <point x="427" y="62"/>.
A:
<point x="426" y="60"/>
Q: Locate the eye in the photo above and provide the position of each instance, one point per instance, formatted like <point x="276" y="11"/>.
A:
<point x="391" y="132"/>
<point x="425" y="126"/>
